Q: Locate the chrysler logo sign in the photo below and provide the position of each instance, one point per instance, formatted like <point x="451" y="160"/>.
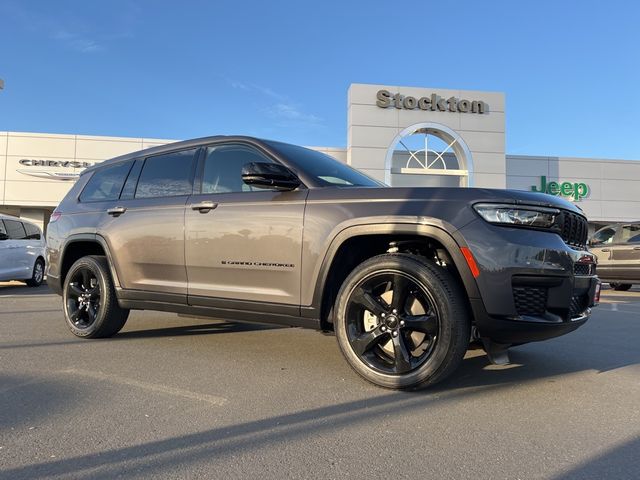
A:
<point x="46" y="172"/>
<point x="433" y="103"/>
<point x="54" y="163"/>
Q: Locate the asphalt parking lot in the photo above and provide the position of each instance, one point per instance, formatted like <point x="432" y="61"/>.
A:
<point x="174" y="397"/>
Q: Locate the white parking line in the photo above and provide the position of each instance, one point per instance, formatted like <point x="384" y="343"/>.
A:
<point x="179" y="392"/>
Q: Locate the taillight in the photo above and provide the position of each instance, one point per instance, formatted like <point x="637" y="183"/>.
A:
<point x="54" y="216"/>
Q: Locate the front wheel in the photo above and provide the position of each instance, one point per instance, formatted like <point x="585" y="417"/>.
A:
<point x="401" y="321"/>
<point x="89" y="299"/>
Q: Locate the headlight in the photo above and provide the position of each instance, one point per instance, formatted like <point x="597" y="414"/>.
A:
<point x="524" y="216"/>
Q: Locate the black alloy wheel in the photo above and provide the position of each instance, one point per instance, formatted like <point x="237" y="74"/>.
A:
<point x="402" y="321"/>
<point x="400" y="327"/>
<point x="89" y="299"/>
<point x="83" y="298"/>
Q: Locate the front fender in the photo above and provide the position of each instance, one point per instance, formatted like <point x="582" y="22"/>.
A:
<point x="435" y="229"/>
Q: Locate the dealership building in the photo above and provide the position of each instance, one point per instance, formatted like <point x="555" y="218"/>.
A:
<point x="403" y="136"/>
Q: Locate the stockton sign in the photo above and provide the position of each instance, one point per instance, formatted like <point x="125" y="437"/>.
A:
<point x="433" y="103"/>
<point x="43" y="168"/>
<point x="577" y="190"/>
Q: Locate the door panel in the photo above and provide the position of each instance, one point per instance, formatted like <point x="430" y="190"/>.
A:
<point x="246" y="248"/>
<point x="625" y="254"/>
<point x="626" y="262"/>
<point x="18" y="267"/>
<point x="147" y="240"/>
<point x="242" y="243"/>
<point x="5" y="255"/>
<point x="603" y="254"/>
<point x="11" y="262"/>
<point x="145" y="229"/>
<point x="137" y="206"/>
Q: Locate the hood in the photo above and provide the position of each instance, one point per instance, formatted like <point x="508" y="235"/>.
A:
<point x="475" y="195"/>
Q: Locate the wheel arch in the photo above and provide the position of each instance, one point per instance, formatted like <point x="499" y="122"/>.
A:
<point x="83" y="244"/>
<point x="335" y="266"/>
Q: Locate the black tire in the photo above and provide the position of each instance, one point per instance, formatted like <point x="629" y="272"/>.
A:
<point x="38" y="274"/>
<point x="621" y="287"/>
<point x="90" y="305"/>
<point x="430" y="306"/>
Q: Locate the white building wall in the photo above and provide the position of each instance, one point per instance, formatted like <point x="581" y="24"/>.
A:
<point x="613" y="184"/>
<point x="19" y="188"/>
<point x="372" y="129"/>
<point x="335" y="152"/>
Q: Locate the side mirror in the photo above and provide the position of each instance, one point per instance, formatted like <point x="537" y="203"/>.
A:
<point x="4" y="236"/>
<point x="269" y="175"/>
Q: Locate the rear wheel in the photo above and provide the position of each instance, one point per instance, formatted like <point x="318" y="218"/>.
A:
<point x="38" y="274"/>
<point x="401" y="321"/>
<point x="621" y="287"/>
<point x="89" y="299"/>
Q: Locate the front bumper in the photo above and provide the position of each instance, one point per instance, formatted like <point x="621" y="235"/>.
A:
<point x="529" y="328"/>
<point x="532" y="285"/>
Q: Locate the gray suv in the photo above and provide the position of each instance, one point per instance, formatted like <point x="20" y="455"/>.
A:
<point x="262" y="231"/>
<point x="617" y="248"/>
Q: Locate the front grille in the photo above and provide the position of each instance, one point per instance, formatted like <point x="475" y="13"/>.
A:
<point x="531" y="301"/>
<point x="574" y="229"/>
<point x="584" y="269"/>
<point x="579" y="304"/>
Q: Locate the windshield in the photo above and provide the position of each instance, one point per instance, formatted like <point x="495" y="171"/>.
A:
<point x="326" y="170"/>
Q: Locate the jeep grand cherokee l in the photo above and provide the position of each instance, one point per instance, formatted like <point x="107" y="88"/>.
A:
<point x="255" y="230"/>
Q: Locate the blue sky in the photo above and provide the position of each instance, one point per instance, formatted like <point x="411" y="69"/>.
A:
<point x="281" y="69"/>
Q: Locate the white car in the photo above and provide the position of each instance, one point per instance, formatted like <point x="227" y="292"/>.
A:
<point x="22" y="251"/>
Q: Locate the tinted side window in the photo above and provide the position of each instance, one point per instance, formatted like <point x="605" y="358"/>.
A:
<point x="223" y="168"/>
<point x="15" y="230"/>
<point x="603" y="236"/>
<point x="166" y="175"/>
<point x="106" y="183"/>
<point x="631" y="233"/>
<point x="328" y="170"/>
<point x="33" y="232"/>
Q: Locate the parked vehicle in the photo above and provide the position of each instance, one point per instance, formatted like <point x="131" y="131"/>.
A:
<point x="255" y="230"/>
<point x="617" y="248"/>
<point x="22" y="251"/>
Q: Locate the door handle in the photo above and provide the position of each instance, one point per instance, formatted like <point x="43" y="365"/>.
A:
<point x="636" y="248"/>
<point x="606" y="250"/>
<point x="116" y="211"/>
<point x="204" y="207"/>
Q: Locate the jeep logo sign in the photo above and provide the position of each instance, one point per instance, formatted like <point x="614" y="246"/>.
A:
<point x="433" y="103"/>
<point x="577" y="191"/>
